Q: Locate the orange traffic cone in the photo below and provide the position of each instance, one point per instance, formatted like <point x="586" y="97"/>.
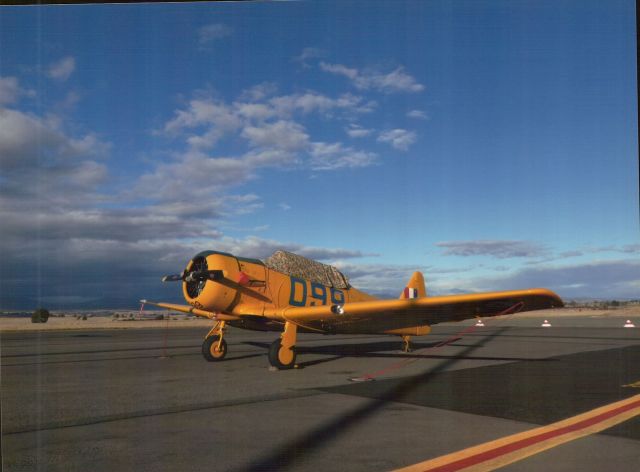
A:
<point x="546" y="324"/>
<point x="629" y="324"/>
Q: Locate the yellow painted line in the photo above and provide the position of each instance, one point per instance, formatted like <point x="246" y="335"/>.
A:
<point x="633" y="385"/>
<point x="503" y="451"/>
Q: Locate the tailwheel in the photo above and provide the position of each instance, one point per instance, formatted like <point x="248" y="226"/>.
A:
<point x="281" y="358"/>
<point x="214" y="349"/>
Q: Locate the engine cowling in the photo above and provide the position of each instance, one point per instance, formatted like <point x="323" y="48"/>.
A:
<point x="203" y="288"/>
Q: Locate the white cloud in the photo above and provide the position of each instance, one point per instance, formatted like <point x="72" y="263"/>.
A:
<point x="384" y="280"/>
<point x="10" y="90"/>
<point x="502" y="249"/>
<point x="203" y="112"/>
<point x="334" y="156"/>
<point x="194" y="176"/>
<point x="393" y="82"/>
<point x="209" y="33"/>
<point x="271" y="158"/>
<point x="398" y="138"/>
<point x="607" y="279"/>
<point x="417" y="114"/>
<point x="309" y="102"/>
<point x="215" y="119"/>
<point x="62" y="69"/>
<point x="307" y="54"/>
<point x="255" y="111"/>
<point x="259" y="92"/>
<point x="339" y="69"/>
<point x="260" y="248"/>
<point x="283" y="135"/>
<point x="284" y="206"/>
<point x="27" y="141"/>
<point x="357" y="131"/>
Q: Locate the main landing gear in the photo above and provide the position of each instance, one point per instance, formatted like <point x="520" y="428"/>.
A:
<point x="214" y="347"/>
<point x="282" y="354"/>
<point x="406" y="343"/>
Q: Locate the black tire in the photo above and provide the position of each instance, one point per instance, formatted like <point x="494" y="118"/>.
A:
<point x="274" y="360"/>
<point x="208" y="349"/>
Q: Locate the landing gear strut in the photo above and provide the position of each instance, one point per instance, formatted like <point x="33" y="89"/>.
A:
<point x="282" y="353"/>
<point x="406" y="343"/>
<point x="214" y="347"/>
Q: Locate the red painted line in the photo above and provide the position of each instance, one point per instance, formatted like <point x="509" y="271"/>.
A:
<point x="523" y="443"/>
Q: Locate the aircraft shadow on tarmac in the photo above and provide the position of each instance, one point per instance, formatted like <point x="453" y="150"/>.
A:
<point x="389" y="349"/>
<point x="290" y="454"/>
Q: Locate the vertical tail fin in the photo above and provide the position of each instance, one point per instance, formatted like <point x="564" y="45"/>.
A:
<point x="415" y="287"/>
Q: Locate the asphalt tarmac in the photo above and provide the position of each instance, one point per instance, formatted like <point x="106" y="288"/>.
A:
<point x="145" y="399"/>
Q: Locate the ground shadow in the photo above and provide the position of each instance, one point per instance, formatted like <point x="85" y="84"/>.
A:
<point x="391" y="350"/>
<point x="295" y="452"/>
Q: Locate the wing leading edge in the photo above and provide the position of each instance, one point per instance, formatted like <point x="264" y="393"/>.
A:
<point x="381" y="315"/>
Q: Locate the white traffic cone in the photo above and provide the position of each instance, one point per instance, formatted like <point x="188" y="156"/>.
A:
<point x="629" y="324"/>
<point x="546" y="324"/>
<point x="479" y="323"/>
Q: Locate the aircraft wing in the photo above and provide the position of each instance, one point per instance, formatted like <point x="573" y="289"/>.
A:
<point x="191" y="310"/>
<point x="381" y="315"/>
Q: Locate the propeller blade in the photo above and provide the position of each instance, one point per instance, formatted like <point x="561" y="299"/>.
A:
<point x="172" y="278"/>
<point x="200" y="276"/>
<point x="195" y="276"/>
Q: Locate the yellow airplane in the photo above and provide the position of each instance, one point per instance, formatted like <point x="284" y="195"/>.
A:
<point x="290" y="294"/>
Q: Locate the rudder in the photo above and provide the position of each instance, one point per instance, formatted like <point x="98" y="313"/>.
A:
<point x="415" y="287"/>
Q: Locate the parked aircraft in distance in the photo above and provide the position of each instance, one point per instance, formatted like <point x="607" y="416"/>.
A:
<point x="291" y="294"/>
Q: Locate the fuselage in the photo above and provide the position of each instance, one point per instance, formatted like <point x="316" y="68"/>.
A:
<point x="250" y="287"/>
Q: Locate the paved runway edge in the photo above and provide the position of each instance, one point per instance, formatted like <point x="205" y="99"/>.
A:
<point x="503" y="451"/>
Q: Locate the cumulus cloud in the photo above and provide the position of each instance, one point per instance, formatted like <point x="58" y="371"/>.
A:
<point x="307" y="54"/>
<point x="115" y="239"/>
<point x="259" y="92"/>
<point x="37" y="156"/>
<point x="333" y="156"/>
<point x="383" y="280"/>
<point x="501" y="249"/>
<point x="195" y="176"/>
<point x="309" y="102"/>
<point x="266" y="124"/>
<point x="284" y="135"/>
<point x="607" y="279"/>
<point x="393" y="82"/>
<point x="260" y="248"/>
<point x="357" y="131"/>
<point x="11" y="92"/>
<point x="398" y="138"/>
<point x="211" y="120"/>
<point x="62" y="69"/>
<point x="418" y="114"/>
<point x="212" y="32"/>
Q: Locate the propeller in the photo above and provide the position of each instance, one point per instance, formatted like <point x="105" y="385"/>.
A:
<point x="198" y="275"/>
<point x="173" y="277"/>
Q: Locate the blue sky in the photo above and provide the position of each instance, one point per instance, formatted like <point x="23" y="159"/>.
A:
<point x="490" y="144"/>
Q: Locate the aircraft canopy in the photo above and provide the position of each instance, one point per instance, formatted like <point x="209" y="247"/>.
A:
<point x="299" y="266"/>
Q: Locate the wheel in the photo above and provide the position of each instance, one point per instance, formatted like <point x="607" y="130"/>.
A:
<point x="274" y="356"/>
<point x="210" y="349"/>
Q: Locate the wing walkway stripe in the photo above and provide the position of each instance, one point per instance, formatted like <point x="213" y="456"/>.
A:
<point x="503" y="451"/>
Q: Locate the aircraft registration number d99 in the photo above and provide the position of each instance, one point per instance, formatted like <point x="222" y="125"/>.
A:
<point x="317" y="294"/>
